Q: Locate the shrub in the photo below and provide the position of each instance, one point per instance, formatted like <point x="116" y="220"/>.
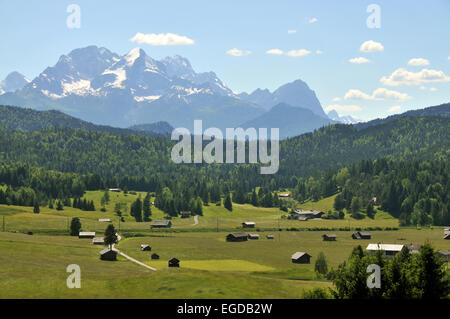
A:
<point x="316" y="293"/>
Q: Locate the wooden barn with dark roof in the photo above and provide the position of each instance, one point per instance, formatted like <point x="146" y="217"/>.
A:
<point x="155" y="256"/>
<point x="362" y="235"/>
<point x="161" y="224"/>
<point x="108" y="254"/>
<point x="237" y="237"/>
<point x="174" y="262"/>
<point x="329" y="237"/>
<point x="301" y="258"/>
<point x="186" y="214"/>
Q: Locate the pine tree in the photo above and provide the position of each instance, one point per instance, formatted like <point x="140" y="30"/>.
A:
<point x="432" y="279"/>
<point x="110" y="236"/>
<point x="136" y="210"/>
<point x="254" y="199"/>
<point x="355" y="206"/>
<point x="36" y="209"/>
<point x="369" y="210"/>
<point x="339" y="203"/>
<point x="199" y="207"/>
<point x="227" y="203"/>
<point x="59" y="205"/>
<point x="147" y="208"/>
<point x="75" y="226"/>
<point x="321" y="266"/>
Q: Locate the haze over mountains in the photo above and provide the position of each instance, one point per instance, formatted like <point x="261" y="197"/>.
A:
<point x="97" y="85"/>
<point x="13" y="82"/>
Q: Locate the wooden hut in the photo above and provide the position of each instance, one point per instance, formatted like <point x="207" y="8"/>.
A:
<point x="161" y="224"/>
<point x="329" y="237"/>
<point x="108" y="254"/>
<point x="98" y="241"/>
<point x="174" y="262"/>
<point x="301" y="258"/>
<point x="253" y="236"/>
<point x="362" y="235"/>
<point x="237" y="237"/>
<point x="85" y="234"/>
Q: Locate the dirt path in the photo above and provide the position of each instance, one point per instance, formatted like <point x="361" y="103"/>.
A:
<point x="195" y="220"/>
<point x="136" y="261"/>
<point x="131" y="258"/>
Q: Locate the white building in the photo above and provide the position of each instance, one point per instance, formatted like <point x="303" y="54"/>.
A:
<point x="388" y="250"/>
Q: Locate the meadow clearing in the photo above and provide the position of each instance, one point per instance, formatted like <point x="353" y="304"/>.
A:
<point x="34" y="266"/>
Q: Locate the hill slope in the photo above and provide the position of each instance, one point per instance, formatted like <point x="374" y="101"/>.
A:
<point x="17" y="118"/>
<point x="291" y="120"/>
<point x="332" y="147"/>
<point x="158" y="127"/>
<point x="442" y="110"/>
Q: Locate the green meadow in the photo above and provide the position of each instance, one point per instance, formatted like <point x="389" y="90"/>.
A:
<point x="34" y="266"/>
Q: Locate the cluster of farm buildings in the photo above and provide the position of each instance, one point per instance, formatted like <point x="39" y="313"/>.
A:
<point x="388" y="250"/>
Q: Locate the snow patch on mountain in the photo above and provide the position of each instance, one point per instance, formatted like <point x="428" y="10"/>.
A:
<point x="150" y="98"/>
<point x="120" y="77"/>
<point x="345" y="119"/>
<point x="132" y="56"/>
<point x="81" y="87"/>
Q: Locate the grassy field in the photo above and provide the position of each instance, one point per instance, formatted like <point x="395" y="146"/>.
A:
<point x="34" y="266"/>
<point x="51" y="221"/>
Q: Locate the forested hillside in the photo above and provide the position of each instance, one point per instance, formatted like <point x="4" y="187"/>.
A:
<point x="442" y="110"/>
<point x="414" y="191"/>
<point x="410" y="177"/>
<point x="328" y="149"/>
<point x="17" y="118"/>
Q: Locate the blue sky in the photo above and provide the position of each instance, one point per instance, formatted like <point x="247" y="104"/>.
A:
<point x="35" y="34"/>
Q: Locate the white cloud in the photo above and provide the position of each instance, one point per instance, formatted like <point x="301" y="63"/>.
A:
<point x="385" y="94"/>
<point x="423" y="88"/>
<point x="312" y="20"/>
<point x="319" y="51"/>
<point x="354" y="94"/>
<point x="359" y="60"/>
<point x="292" y="31"/>
<point x="298" y="53"/>
<point x="449" y="57"/>
<point x="275" y="52"/>
<point x="162" y="39"/>
<point x="433" y="89"/>
<point x="371" y="46"/>
<point x="418" y="62"/>
<point x="237" y="52"/>
<point x="378" y="94"/>
<point x="395" y="109"/>
<point x="337" y="99"/>
<point x="343" y="108"/>
<point x="404" y="77"/>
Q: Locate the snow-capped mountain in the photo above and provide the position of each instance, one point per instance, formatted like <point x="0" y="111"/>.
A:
<point x="346" y="119"/>
<point x="100" y="86"/>
<point x="14" y="81"/>
<point x="99" y="72"/>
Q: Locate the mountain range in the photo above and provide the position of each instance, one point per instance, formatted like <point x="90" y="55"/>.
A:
<point x="346" y="119"/>
<point x="99" y="86"/>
